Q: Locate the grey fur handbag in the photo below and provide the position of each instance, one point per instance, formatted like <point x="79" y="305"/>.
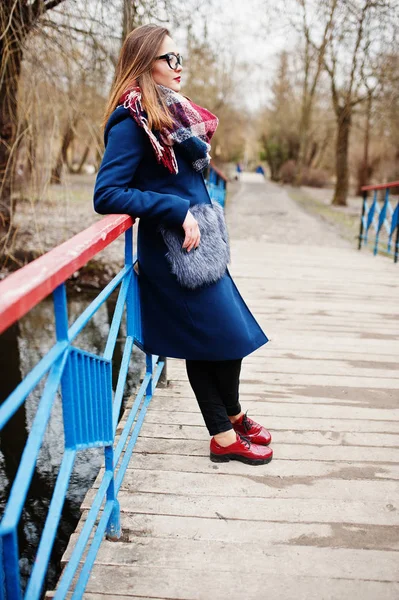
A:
<point x="206" y="264"/>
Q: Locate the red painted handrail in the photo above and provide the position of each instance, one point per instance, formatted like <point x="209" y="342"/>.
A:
<point x="383" y="186"/>
<point x="22" y="290"/>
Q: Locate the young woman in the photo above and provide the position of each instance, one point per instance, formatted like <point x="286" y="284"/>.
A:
<point x="156" y="148"/>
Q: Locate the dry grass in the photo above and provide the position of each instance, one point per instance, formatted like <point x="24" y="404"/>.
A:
<point x="346" y="219"/>
<point x="317" y="201"/>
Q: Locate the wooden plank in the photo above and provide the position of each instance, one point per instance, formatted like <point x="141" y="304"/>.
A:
<point x="299" y="510"/>
<point x="325" y="438"/>
<point x="285" y="409"/>
<point x="160" y="413"/>
<point x="282" y="451"/>
<point x="201" y="584"/>
<point x="321" y="354"/>
<point x="326" y="535"/>
<point x="321" y="379"/>
<point x="117" y="596"/>
<point x="349" y="368"/>
<point x="354" y="365"/>
<point x="285" y="338"/>
<point x="256" y="485"/>
<point x="100" y="596"/>
<point x="263" y="557"/>
<point x="277" y="468"/>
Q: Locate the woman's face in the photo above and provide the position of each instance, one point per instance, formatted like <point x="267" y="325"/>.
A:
<point x="161" y="71"/>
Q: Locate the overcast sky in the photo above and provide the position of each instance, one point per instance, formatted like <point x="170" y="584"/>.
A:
<point x="254" y="33"/>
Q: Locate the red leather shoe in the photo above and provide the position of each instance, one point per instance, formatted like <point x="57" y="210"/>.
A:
<point x="242" y="449"/>
<point x="256" y="433"/>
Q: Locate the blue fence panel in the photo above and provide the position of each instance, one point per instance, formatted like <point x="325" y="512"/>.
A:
<point x="380" y="219"/>
<point x="216" y="186"/>
<point x="90" y="417"/>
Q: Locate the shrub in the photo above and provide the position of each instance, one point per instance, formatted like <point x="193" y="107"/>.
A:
<point x="314" y="177"/>
<point x="287" y="172"/>
<point x="310" y="177"/>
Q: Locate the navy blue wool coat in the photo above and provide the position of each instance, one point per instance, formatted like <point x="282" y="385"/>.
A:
<point x="209" y="323"/>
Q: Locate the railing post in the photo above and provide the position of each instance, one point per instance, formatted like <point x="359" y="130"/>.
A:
<point x="60" y="312"/>
<point x="11" y="565"/>
<point x="396" y="251"/>
<point x="381" y="220"/>
<point x="362" y="219"/>
<point x="163" y="378"/>
<point x="370" y="215"/>
<point x="130" y="300"/>
<point x="149" y="364"/>
<point x="114" y="530"/>
<point x="2" y="581"/>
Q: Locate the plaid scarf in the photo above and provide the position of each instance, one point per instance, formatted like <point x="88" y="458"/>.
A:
<point x="192" y="129"/>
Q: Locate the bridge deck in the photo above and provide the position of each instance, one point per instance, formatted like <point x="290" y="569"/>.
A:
<point x="321" y="520"/>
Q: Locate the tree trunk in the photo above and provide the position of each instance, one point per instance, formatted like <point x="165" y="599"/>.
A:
<point x="304" y="127"/>
<point x="77" y="170"/>
<point x="341" y="156"/>
<point x="67" y="139"/>
<point x="31" y="151"/>
<point x="322" y="149"/>
<point x="130" y="17"/>
<point x="16" y="21"/>
<point x="312" y="154"/>
<point x="365" y="169"/>
<point x="10" y="69"/>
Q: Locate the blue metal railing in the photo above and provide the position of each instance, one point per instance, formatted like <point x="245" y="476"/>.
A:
<point x="90" y="416"/>
<point x="381" y="219"/>
<point x="216" y="184"/>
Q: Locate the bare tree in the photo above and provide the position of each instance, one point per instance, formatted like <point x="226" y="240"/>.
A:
<point x="349" y="62"/>
<point x="279" y="135"/>
<point x="313" y="65"/>
<point x="211" y="77"/>
<point x="17" y="21"/>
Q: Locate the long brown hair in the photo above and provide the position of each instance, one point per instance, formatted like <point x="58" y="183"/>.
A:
<point x="136" y="58"/>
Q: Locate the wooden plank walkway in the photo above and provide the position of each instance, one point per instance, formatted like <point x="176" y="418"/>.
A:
<point x="321" y="521"/>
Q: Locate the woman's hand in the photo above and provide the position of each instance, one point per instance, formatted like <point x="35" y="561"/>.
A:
<point x="191" y="229"/>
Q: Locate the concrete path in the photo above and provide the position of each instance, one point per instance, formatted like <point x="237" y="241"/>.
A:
<point x="321" y="521"/>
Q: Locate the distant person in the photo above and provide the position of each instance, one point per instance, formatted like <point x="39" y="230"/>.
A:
<point x="238" y="171"/>
<point x="152" y="168"/>
<point x="260" y="169"/>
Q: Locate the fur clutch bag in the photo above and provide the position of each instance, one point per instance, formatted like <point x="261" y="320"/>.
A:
<point x="207" y="263"/>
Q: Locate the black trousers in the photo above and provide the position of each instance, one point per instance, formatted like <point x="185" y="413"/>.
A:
<point x="215" y="384"/>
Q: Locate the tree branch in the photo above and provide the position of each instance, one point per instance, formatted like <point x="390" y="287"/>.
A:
<point x="51" y="4"/>
<point x="359" y="38"/>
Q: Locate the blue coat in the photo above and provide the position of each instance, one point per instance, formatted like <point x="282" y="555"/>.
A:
<point x="209" y="323"/>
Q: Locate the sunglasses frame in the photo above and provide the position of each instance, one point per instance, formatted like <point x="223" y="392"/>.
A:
<point x="177" y="56"/>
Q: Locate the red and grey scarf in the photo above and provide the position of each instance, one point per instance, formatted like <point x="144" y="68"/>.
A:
<point x="192" y="130"/>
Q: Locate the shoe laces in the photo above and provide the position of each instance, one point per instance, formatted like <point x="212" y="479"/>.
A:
<point x="246" y="440"/>
<point x="247" y="422"/>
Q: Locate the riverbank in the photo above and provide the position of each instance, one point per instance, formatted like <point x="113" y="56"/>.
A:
<point x="61" y="212"/>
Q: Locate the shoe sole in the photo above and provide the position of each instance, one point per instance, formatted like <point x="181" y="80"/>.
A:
<point x="219" y="458"/>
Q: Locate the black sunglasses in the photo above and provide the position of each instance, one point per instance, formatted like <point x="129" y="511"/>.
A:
<point x="173" y="60"/>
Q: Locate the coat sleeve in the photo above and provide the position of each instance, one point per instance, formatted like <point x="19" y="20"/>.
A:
<point x="112" y="194"/>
